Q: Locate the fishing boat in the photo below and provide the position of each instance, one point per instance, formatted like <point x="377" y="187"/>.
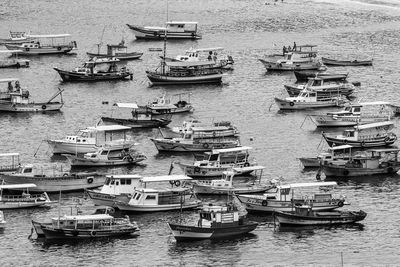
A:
<point x="142" y="117"/>
<point x="172" y="30"/>
<point x="364" y="163"/>
<point x="207" y="130"/>
<point x="283" y="197"/>
<point x="324" y="87"/>
<point x="96" y="69"/>
<point x="16" y="38"/>
<point x="215" y="222"/>
<point x="309" y="99"/>
<point x="176" y="197"/>
<point x="47" y="181"/>
<point x="45" y="44"/>
<point x="355" y="114"/>
<point x="303" y="76"/>
<point x="165" y="105"/>
<point x="355" y="62"/>
<point x="88" y="140"/>
<point x="24" y="200"/>
<point x="119" y="51"/>
<point x="368" y="135"/>
<point x="2" y="221"/>
<point x="9" y="162"/>
<point x="303" y="58"/>
<point x="116" y="188"/>
<point x="335" y="154"/>
<point x="13" y="61"/>
<point x="216" y="162"/>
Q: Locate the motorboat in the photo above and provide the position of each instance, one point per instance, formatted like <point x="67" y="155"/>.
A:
<point x="335" y="154"/>
<point x="354" y="62"/>
<point x="204" y="130"/>
<point x="172" y="30"/>
<point x="14" y="61"/>
<point x="16" y="37"/>
<point x="165" y="105"/>
<point x="24" y="200"/>
<point x="119" y="51"/>
<point x="303" y="76"/>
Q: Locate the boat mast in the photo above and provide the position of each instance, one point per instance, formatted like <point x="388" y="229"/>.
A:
<point x="165" y="45"/>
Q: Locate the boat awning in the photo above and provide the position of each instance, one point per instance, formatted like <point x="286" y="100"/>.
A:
<point x="48" y="35"/>
<point x="9" y="51"/>
<point x="16" y="186"/>
<point x="85" y="217"/>
<point x="209" y="128"/>
<point x="299" y="185"/>
<point x="373" y="125"/>
<point x="334" y="148"/>
<point x="124" y="176"/>
<point x="6" y="80"/>
<point x="180" y="22"/>
<point x="249" y="168"/>
<point x="233" y="149"/>
<point x="189" y="63"/>
<point x="165" y="178"/>
<point x="197" y="50"/>
<point x="105" y="128"/>
<point x="127" y="105"/>
<point x="9" y="154"/>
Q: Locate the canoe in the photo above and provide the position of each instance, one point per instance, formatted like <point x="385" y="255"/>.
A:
<point x="334" y="62"/>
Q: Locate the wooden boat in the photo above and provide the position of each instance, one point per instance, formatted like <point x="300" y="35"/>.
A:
<point x="54" y="182"/>
<point x="105" y="156"/>
<point x="164" y="105"/>
<point x="306" y="215"/>
<point x="24" y="200"/>
<point x="96" y="69"/>
<point x="87" y="226"/>
<point x="2" y="220"/>
<point x="334" y="62"/>
<point x="172" y="30"/>
<point x="142" y="117"/>
<point x="303" y="76"/>
<point x="364" y="163"/>
<point x="335" y="154"/>
<point x="309" y="99"/>
<point x="216" y="222"/>
<point x="324" y="87"/>
<point x="9" y="162"/>
<point x="281" y="198"/>
<point x="88" y="140"/>
<point x="145" y="199"/>
<point x="14" y="61"/>
<point x="355" y="114"/>
<point x="116" y="188"/>
<point x="216" y="162"/>
<point x="45" y="44"/>
<point x="16" y="38"/>
<point x="368" y="135"/>
<point x="119" y="51"/>
<point x="207" y="130"/>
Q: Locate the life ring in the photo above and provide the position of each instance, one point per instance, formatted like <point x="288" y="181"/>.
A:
<point x="314" y="55"/>
<point x="345" y="141"/>
<point x="390" y="170"/>
<point x="346" y="172"/>
<point x="247" y="164"/>
<point x="171" y="182"/>
<point x="340" y="203"/>
<point x="93" y="233"/>
<point x="205" y="145"/>
<point x="65" y="174"/>
<point x="90" y="180"/>
<point x="27" y="49"/>
<point x="363" y="143"/>
<point x="387" y="140"/>
<point x="59" y="48"/>
<point x="264" y="203"/>
<point x="196" y="169"/>
<point x="214" y="134"/>
<point x="291" y="104"/>
<point x="177" y="183"/>
<point x="44" y="107"/>
<point x="130" y="159"/>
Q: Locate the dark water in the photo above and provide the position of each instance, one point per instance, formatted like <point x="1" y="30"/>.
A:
<point x="248" y="30"/>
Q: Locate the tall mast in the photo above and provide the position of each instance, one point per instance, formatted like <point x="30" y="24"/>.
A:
<point x="165" y="44"/>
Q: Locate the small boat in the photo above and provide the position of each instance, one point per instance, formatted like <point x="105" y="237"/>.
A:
<point x="45" y="44"/>
<point x="216" y="222"/>
<point x="367" y="135"/>
<point x="364" y="163"/>
<point x="116" y="188"/>
<point x="207" y="130"/>
<point x="9" y="162"/>
<point x="306" y="215"/>
<point x="24" y="200"/>
<point x="96" y="69"/>
<point x="145" y="199"/>
<point x="164" y="105"/>
<point x="14" y="61"/>
<point x="355" y="62"/>
<point x="282" y="197"/>
<point x="303" y="76"/>
<point x="88" y="140"/>
<point x="355" y="114"/>
<point x="335" y="154"/>
<point x="86" y="226"/>
<point x="142" y="117"/>
<point x="16" y="38"/>
<point x="54" y="182"/>
<point x="119" y="51"/>
<point x="172" y="30"/>
<point x="107" y="157"/>
<point x="309" y="99"/>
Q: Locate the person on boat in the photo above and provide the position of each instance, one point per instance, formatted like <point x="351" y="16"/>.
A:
<point x="289" y="48"/>
<point x="284" y="50"/>
<point x="215" y="56"/>
<point x="10" y="87"/>
<point x="294" y="46"/>
<point x="209" y="56"/>
<point x="17" y="86"/>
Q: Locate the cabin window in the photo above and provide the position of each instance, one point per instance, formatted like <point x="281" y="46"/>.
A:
<point x="134" y="195"/>
<point x="108" y="181"/>
<point x="138" y="196"/>
<point x="123" y="181"/>
<point x="312" y="94"/>
<point x="28" y="170"/>
<point x="150" y="197"/>
<point x="357" y="109"/>
<point x="317" y="83"/>
<point x="214" y="157"/>
<point x="128" y="181"/>
<point x="116" y="182"/>
<point x="112" y="181"/>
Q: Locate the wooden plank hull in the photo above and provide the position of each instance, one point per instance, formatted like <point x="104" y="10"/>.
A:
<point x="173" y="146"/>
<point x="303" y="76"/>
<point x="283" y="104"/>
<point x="143" y="33"/>
<point x="93" y="162"/>
<point x="102" y="199"/>
<point x="70" y="76"/>
<point x="65" y="233"/>
<point x="274" y="66"/>
<point x="31" y="107"/>
<point x="154" y="123"/>
<point x="327" y="92"/>
<point x="375" y="142"/>
<point x="216" y="190"/>
<point x="332" y="170"/>
<point x="344" y="121"/>
<point x="159" y="79"/>
<point x="333" y="62"/>
<point x="292" y="219"/>
<point x="28" y="51"/>
<point x="120" y="56"/>
<point x="153" y="208"/>
<point x="310" y="162"/>
<point x="14" y="63"/>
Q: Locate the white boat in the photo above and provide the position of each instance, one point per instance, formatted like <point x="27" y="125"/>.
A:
<point x="9" y="162"/>
<point x="206" y="130"/>
<point x="176" y="197"/>
<point x="14" y="61"/>
<point x="16" y="38"/>
<point x="45" y="44"/>
<point x="24" y="200"/>
<point x="88" y="140"/>
<point x="216" y="162"/>
<point x="172" y="30"/>
<point x="335" y="153"/>
<point x="283" y="197"/>
<point x="116" y="188"/>
<point x="165" y="105"/>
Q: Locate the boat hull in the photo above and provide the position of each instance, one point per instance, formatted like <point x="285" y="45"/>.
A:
<point x="70" y="76"/>
<point x="62" y="49"/>
<point x="102" y="199"/>
<point x="333" y="62"/>
<point x="92" y="162"/>
<point x="376" y="142"/>
<point x="274" y="66"/>
<point x="143" y="33"/>
<point x="153" y="208"/>
<point x="303" y="76"/>
<point x="17" y="63"/>
<point x="31" y="107"/>
<point x="4" y="205"/>
<point x="284" y="104"/>
<point x="210" y="171"/>
<point x="215" y="190"/>
<point x="159" y="79"/>
<point x="54" y="233"/>
<point x="170" y="145"/>
<point x="332" y="170"/>
<point x="327" y="92"/>
<point x="154" y="123"/>
<point x="120" y="56"/>
<point x="291" y="219"/>
<point x="344" y="121"/>
<point x="310" y="162"/>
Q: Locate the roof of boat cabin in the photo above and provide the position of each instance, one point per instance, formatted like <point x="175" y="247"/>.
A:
<point x="126" y="105"/>
<point x="9" y="154"/>
<point x="233" y="149"/>
<point x="305" y="45"/>
<point x="180" y="22"/>
<point x="6" y="80"/>
<point x="48" y="35"/>
<point x="95" y="60"/>
<point x="384" y="150"/>
<point x="299" y="185"/>
<point x="105" y="128"/>
<point x="249" y="168"/>
<point x="334" y="148"/>
<point x="165" y="178"/>
<point x="209" y="128"/>
<point x="16" y="186"/>
<point x="373" y="125"/>
<point x="10" y="51"/>
<point x="124" y="176"/>
<point x="117" y="46"/>
<point x="189" y="63"/>
<point x="196" y="50"/>
<point x="88" y="217"/>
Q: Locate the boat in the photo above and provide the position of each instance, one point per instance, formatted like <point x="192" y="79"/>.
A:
<point x="9" y="162"/>
<point x="324" y="87"/>
<point x="303" y="58"/>
<point x="77" y="227"/>
<point x="355" y="62"/>
<point x="16" y="38"/>
<point x="96" y="69"/>
<point x="24" y="200"/>
<point x="119" y="51"/>
<point x="215" y="222"/>
<point x="105" y="156"/>
<point x="165" y="105"/>
<point x="355" y="114"/>
<point x="309" y="99"/>
<point x="116" y="188"/>
<point x="367" y="135"/>
<point x="45" y="44"/>
<point x="364" y="163"/>
<point x="88" y="140"/>
<point x="303" y="76"/>
<point x="172" y="30"/>
<point x="2" y="221"/>
<point x="14" y="61"/>
<point x="52" y="182"/>
<point x="282" y="197"/>
<point x="142" y="117"/>
<point x="335" y="153"/>
<point x="216" y="162"/>
<point x="145" y="199"/>
<point x="225" y="185"/>
<point x="207" y="130"/>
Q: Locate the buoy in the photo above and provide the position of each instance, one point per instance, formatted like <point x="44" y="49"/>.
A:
<point x="251" y="139"/>
<point x="105" y="102"/>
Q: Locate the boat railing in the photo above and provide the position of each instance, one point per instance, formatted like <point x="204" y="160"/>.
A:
<point x="10" y="167"/>
<point x="23" y="197"/>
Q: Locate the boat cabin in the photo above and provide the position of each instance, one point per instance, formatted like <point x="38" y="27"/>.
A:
<point x="16" y="36"/>
<point x="370" y="109"/>
<point x="88" y="222"/>
<point x="10" y="85"/>
<point x="219" y="216"/>
<point x="9" y="162"/>
<point x="182" y="26"/>
<point x="120" y="184"/>
<point x="24" y="197"/>
<point x="99" y="65"/>
<point x="374" y="158"/>
<point x="368" y="131"/>
<point x="49" y="40"/>
<point x="95" y="135"/>
<point x="229" y="156"/>
<point x="338" y="154"/>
